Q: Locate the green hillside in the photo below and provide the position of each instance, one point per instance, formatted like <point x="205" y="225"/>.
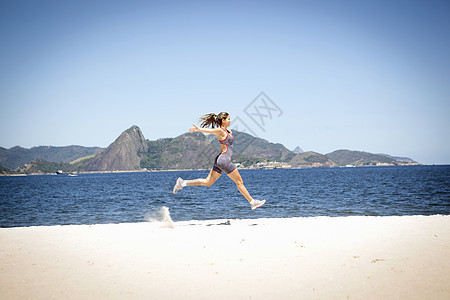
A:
<point x="359" y="158"/>
<point x="17" y="156"/>
<point x="4" y="170"/>
<point x="308" y="159"/>
<point x="187" y="151"/>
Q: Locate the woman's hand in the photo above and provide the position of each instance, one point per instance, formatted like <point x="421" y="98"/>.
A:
<point x="194" y="129"/>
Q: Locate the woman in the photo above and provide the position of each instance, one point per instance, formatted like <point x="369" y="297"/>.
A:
<point x="222" y="163"/>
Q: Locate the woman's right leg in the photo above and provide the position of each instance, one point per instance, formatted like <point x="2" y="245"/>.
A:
<point x="208" y="181"/>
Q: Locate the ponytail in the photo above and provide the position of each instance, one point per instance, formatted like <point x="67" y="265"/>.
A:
<point x="213" y="120"/>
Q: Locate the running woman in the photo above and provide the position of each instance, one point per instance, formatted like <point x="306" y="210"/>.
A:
<point x="222" y="162"/>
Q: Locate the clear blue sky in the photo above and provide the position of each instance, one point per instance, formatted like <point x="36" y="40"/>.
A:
<point x="362" y="75"/>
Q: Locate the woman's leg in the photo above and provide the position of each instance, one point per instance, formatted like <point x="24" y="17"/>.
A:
<point x="240" y="184"/>
<point x="212" y="177"/>
<point x="208" y="181"/>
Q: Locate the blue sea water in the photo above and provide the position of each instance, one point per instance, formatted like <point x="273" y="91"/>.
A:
<point x="132" y="197"/>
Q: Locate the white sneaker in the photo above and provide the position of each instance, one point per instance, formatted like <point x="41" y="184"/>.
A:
<point x="178" y="186"/>
<point x="257" y="203"/>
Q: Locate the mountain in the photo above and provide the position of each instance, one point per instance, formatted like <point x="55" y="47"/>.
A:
<point x="17" y="156"/>
<point x="248" y="149"/>
<point x="359" y="158"/>
<point x="298" y="150"/>
<point x="197" y="151"/>
<point x="130" y="151"/>
<point x="406" y="160"/>
<point x="123" y="154"/>
<point x="250" y="146"/>
<point x="311" y="159"/>
<point x="40" y="166"/>
<point x="187" y="151"/>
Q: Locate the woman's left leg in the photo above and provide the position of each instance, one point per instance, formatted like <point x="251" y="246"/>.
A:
<point x="208" y="181"/>
<point x="240" y="184"/>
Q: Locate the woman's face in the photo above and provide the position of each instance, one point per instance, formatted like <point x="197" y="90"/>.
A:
<point x="226" y="122"/>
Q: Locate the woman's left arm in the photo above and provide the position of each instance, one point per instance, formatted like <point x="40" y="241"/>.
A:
<point x="215" y="131"/>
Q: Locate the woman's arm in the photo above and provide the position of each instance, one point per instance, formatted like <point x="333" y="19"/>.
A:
<point x="216" y="131"/>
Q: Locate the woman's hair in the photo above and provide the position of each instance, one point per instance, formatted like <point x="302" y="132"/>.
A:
<point x="213" y="120"/>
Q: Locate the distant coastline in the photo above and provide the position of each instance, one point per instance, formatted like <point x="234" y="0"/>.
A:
<point x="187" y="170"/>
<point x="131" y="152"/>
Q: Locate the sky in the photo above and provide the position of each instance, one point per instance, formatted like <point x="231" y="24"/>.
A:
<point x="369" y="76"/>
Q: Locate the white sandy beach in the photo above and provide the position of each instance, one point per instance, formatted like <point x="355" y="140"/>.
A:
<point x="300" y="258"/>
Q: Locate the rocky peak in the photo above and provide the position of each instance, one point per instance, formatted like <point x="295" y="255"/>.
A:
<point x="134" y="138"/>
<point x="298" y="150"/>
<point x="123" y="154"/>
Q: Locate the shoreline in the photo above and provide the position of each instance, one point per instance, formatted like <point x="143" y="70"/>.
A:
<point x="240" y="168"/>
<point x="169" y="223"/>
<point x="356" y="257"/>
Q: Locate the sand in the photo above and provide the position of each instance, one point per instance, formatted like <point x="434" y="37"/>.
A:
<point x="404" y="257"/>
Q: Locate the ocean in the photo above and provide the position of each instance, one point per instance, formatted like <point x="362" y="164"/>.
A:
<point x="138" y="197"/>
